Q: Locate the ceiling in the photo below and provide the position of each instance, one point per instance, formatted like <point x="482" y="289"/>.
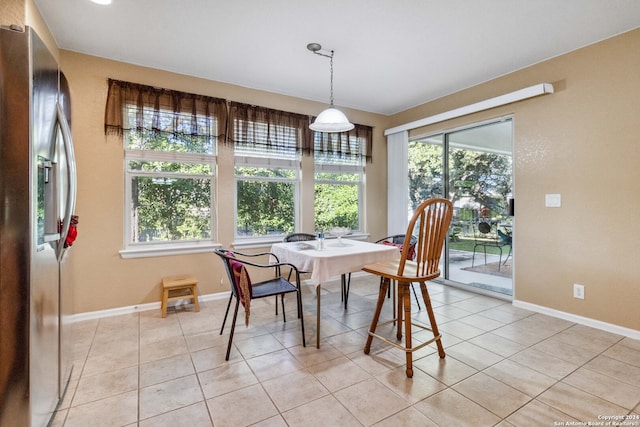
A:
<point x="389" y="55"/>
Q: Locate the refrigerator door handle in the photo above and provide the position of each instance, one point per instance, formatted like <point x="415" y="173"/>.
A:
<point x="62" y="122"/>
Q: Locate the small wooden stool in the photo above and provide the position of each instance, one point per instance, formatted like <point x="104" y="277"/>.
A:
<point x="179" y="287"/>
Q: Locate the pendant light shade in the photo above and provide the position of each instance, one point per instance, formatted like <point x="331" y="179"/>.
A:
<point x="331" y="119"/>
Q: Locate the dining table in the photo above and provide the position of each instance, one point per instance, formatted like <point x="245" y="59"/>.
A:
<point x="333" y="258"/>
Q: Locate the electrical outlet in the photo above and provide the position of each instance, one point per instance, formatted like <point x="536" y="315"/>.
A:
<point x="578" y="291"/>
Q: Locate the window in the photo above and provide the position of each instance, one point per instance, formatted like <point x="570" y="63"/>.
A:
<point x="267" y="170"/>
<point x="169" y="185"/>
<point x="169" y="140"/>
<point x="338" y="181"/>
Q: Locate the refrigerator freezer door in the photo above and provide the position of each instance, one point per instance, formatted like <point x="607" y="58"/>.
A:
<point x="45" y="321"/>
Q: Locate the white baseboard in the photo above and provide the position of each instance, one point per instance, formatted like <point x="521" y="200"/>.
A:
<point x="90" y="315"/>
<point x="608" y="327"/>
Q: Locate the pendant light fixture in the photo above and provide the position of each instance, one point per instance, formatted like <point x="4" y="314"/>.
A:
<point x="331" y="119"/>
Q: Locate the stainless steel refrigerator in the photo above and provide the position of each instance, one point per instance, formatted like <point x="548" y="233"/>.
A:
<point x="37" y="200"/>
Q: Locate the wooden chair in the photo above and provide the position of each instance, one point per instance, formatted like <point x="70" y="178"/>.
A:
<point x="236" y="265"/>
<point x="397" y="240"/>
<point x="430" y="223"/>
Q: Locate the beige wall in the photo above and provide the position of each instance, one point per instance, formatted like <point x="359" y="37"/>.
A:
<point x="103" y="279"/>
<point x="582" y="142"/>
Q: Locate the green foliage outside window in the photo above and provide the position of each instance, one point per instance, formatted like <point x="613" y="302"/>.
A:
<point x="336" y="204"/>
<point x="265" y="201"/>
<point x="170" y="200"/>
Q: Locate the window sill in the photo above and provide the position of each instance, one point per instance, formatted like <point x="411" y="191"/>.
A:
<point x="167" y="250"/>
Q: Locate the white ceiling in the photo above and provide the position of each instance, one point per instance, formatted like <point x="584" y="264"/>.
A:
<point x="390" y="55"/>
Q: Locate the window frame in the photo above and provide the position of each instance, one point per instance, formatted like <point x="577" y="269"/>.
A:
<point x="162" y="248"/>
<point x="256" y="161"/>
<point x="341" y="166"/>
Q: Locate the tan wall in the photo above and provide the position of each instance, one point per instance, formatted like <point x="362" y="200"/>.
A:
<point x="12" y="12"/>
<point x="103" y="279"/>
<point x="582" y="142"/>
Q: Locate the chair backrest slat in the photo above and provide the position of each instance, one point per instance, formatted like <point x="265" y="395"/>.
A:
<point x="430" y="223"/>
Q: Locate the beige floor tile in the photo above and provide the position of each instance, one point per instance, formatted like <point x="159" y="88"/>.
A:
<point x="166" y="369"/>
<point x="536" y="413"/>
<point x="459" y="329"/>
<point x="203" y="340"/>
<point x="294" y="389"/>
<point x="99" y="386"/>
<point x="624" y="354"/>
<point x="581" y="338"/>
<point x="99" y="364"/>
<point x="347" y="342"/>
<point x="274" y="364"/>
<point x="522" y="334"/>
<point x="492" y="394"/>
<point x="339" y="373"/>
<point x="411" y="389"/>
<point x="275" y="421"/>
<point x="161" y="349"/>
<point x="578" y="404"/>
<point x="631" y="343"/>
<point x="566" y="351"/>
<point x="450" y="408"/>
<point x="378" y="361"/>
<point x="520" y="377"/>
<point x="482" y="322"/>
<point x="451" y="312"/>
<point x="141" y="370"/>
<point x="226" y="378"/>
<point x="325" y="411"/>
<point x="496" y="344"/>
<point x="621" y="371"/>
<point x="448" y="370"/>
<point x="473" y="355"/>
<point x="370" y="401"/>
<point x="407" y="417"/>
<point x="310" y="355"/>
<point x="168" y="396"/>
<point x="241" y="407"/>
<point x="257" y="346"/>
<point x="118" y="410"/>
<point x="505" y="313"/>
<point x="195" y="415"/>
<point x="545" y="363"/>
<point x="605" y="387"/>
<point x="213" y="357"/>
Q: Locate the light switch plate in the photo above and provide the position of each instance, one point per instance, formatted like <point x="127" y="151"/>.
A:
<point x="552" y="200"/>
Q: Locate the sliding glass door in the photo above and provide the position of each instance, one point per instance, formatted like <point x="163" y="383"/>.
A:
<point x="473" y="168"/>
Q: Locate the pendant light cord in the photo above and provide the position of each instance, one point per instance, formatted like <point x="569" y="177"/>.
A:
<point x="331" y="81"/>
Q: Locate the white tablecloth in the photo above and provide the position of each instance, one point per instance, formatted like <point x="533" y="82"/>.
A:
<point x="333" y="260"/>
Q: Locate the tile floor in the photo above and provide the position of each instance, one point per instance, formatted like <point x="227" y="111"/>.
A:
<point x="504" y="367"/>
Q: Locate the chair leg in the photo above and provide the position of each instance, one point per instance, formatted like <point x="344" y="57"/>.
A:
<point x="233" y="328"/>
<point x="407" y="327"/>
<point x="384" y="286"/>
<point x="416" y="296"/>
<point x="226" y="313"/>
<point x="284" y="315"/>
<point x="432" y="319"/>
<point x="301" y="317"/>
<point x="345" y="283"/>
<point x="400" y="310"/>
